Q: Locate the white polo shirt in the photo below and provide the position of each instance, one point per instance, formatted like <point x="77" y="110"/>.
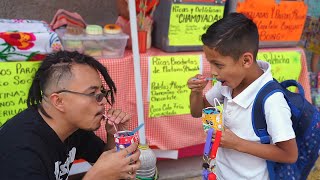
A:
<point x="232" y="164"/>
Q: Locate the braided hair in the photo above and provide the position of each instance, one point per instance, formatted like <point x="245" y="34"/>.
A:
<point x="56" y="66"/>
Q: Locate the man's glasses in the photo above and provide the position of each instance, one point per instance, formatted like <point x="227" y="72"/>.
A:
<point x="99" y="97"/>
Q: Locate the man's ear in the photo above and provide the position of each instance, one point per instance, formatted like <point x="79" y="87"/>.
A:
<point x="247" y="59"/>
<point x="57" y="101"/>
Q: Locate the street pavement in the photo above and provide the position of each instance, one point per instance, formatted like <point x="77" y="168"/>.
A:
<point x="182" y="169"/>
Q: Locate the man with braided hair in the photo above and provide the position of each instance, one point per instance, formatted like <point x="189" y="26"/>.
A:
<point x="66" y="103"/>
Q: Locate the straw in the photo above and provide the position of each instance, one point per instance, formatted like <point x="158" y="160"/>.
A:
<point x="114" y="125"/>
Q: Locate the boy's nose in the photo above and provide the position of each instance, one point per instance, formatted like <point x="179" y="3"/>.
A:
<point x="213" y="71"/>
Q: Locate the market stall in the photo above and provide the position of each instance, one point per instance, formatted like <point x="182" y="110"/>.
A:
<point x="160" y="130"/>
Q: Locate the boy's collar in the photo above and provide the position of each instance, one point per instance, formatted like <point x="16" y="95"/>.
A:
<point x="247" y="96"/>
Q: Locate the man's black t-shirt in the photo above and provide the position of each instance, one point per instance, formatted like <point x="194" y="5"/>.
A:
<point x="30" y="149"/>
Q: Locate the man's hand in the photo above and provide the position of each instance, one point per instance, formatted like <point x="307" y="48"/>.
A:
<point x="114" y="165"/>
<point x="118" y="118"/>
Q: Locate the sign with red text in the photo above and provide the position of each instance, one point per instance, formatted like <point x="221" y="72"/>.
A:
<point x="281" y="21"/>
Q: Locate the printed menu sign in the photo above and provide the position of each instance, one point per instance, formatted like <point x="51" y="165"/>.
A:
<point x="167" y="83"/>
<point x="281" y="21"/>
<point x="16" y="79"/>
<point x="189" y="21"/>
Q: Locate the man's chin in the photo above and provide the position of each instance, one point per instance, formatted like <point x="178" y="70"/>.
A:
<point x="96" y="128"/>
<point x="98" y="125"/>
<point x="93" y="127"/>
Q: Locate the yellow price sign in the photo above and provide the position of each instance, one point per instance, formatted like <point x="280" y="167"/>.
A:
<point x="189" y="21"/>
<point x="168" y="87"/>
<point x="16" y="79"/>
<point x="284" y="64"/>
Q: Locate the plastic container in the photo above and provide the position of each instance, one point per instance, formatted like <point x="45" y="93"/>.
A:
<point x="189" y="20"/>
<point x="97" y="46"/>
<point x="124" y="139"/>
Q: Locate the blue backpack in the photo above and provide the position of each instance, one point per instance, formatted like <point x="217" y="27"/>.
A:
<point x="306" y="124"/>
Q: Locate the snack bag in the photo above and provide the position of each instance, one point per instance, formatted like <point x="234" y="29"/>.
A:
<point x="212" y="117"/>
<point x="212" y="124"/>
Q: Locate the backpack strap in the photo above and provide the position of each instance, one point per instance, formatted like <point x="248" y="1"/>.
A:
<point x="258" y="117"/>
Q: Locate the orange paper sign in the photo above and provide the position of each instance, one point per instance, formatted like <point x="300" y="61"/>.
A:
<point x="282" y="21"/>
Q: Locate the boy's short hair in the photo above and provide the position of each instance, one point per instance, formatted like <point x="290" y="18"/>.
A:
<point x="232" y="36"/>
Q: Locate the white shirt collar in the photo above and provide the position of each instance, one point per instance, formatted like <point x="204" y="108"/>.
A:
<point x="247" y="96"/>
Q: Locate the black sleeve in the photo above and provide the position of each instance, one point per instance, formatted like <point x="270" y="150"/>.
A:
<point x="89" y="146"/>
<point x="23" y="163"/>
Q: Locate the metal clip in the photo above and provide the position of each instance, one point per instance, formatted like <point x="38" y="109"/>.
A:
<point x="205" y="158"/>
<point x="212" y="166"/>
<point x="208" y="172"/>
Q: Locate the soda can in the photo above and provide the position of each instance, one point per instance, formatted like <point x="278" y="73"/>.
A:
<point x="123" y="139"/>
<point x="211" y="118"/>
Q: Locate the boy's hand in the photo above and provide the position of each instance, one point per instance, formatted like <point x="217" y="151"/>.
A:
<point x="197" y="83"/>
<point x="228" y="139"/>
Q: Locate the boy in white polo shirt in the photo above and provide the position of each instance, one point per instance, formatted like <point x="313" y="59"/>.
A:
<point x="231" y="46"/>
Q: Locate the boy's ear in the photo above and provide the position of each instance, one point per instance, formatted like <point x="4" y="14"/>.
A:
<point x="247" y="59"/>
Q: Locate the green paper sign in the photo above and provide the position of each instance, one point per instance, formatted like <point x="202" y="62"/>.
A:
<point x="16" y="79"/>
<point x="168" y="87"/>
<point x="189" y="21"/>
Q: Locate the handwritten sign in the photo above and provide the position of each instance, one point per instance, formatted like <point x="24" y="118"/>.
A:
<point x="282" y="21"/>
<point x="189" y="21"/>
<point x="16" y="79"/>
<point x="168" y="87"/>
<point x="284" y="65"/>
